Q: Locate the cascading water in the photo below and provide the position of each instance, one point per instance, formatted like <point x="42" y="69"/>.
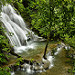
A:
<point x="15" y="27"/>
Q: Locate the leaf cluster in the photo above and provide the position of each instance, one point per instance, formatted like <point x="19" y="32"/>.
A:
<point x="4" y="46"/>
<point x="4" y="71"/>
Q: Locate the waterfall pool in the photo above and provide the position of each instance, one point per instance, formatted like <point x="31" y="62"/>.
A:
<point x="60" y="67"/>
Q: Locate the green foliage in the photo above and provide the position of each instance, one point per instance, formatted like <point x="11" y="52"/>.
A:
<point x="70" y="40"/>
<point x="18" y="61"/>
<point x="4" y="71"/>
<point x="32" y="60"/>
<point x="40" y="16"/>
<point x="54" y="17"/>
<point x="17" y="64"/>
<point x="4" y="47"/>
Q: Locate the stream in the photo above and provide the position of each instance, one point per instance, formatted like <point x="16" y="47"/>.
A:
<point x="59" y="65"/>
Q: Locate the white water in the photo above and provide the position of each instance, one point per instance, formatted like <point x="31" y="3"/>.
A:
<point x="16" y="29"/>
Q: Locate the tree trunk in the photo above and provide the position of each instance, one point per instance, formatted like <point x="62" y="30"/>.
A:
<point x="44" y="56"/>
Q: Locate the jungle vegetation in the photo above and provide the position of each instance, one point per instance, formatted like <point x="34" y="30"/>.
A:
<point x="51" y="19"/>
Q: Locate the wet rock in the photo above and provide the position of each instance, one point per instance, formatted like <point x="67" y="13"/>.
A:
<point x="48" y="54"/>
<point x="39" y="39"/>
<point x="24" y="42"/>
<point x="62" y="44"/>
<point x="59" y="45"/>
<point x="46" y="64"/>
<point x="67" y="47"/>
<point x="36" y="68"/>
<point x="26" y="65"/>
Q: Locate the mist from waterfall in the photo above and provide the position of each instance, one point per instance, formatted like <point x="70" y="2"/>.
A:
<point x="16" y="29"/>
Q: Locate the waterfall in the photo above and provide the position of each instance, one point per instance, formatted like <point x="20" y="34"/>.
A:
<point x="15" y="27"/>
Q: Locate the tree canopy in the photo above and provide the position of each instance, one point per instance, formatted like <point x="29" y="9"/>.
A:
<point x="54" y="17"/>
